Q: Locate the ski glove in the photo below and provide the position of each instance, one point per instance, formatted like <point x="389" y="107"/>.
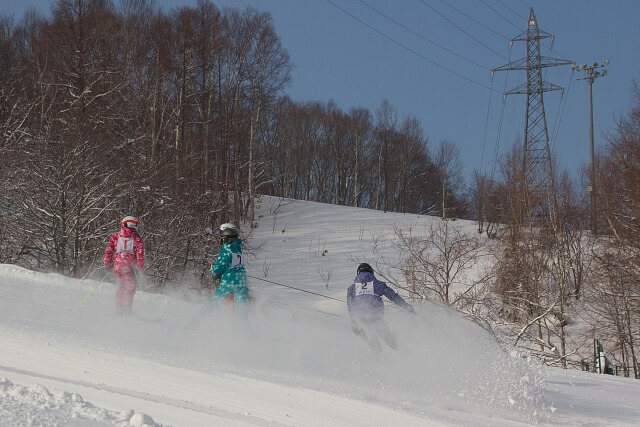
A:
<point x="216" y="280"/>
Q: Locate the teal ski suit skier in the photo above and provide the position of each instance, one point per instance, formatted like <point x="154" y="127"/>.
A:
<point x="229" y="268"/>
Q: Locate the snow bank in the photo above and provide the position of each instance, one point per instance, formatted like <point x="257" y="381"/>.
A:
<point x="36" y="406"/>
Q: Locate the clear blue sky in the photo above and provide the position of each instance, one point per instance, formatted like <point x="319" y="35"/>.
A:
<point x="432" y="59"/>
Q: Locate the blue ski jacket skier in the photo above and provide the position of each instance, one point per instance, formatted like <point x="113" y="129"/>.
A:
<point x="229" y="266"/>
<point x="364" y="297"/>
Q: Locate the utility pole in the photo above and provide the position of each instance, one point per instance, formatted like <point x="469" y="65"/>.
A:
<point x="591" y="74"/>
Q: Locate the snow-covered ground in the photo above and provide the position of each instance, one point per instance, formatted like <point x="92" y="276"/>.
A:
<point x="67" y="359"/>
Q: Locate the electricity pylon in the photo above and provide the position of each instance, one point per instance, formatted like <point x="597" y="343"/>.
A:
<point x="538" y="188"/>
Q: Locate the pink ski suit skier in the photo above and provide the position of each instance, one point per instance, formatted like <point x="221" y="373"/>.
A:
<point x="125" y="253"/>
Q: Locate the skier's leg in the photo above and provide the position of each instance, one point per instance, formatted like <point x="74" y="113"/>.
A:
<point x="373" y="341"/>
<point x="120" y="294"/>
<point x="220" y="295"/>
<point x="366" y="329"/>
<point x="206" y="309"/>
<point x="129" y="288"/>
<point x="229" y="303"/>
<point x="386" y="334"/>
<point x="357" y="329"/>
<point x="241" y="298"/>
<point x="240" y="295"/>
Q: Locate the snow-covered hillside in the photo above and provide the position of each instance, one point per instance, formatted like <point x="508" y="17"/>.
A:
<point x="67" y="359"/>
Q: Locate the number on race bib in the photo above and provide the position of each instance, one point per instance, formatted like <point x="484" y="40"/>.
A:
<point x="236" y="260"/>
<point x="125" y="244"/>
<point x="365" y="288"/>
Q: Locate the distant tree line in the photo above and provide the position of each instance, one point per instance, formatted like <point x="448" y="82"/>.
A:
<point x="180" y="118"/>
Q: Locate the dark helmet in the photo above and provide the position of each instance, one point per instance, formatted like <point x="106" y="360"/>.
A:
<point x="228" y="233"/>
<point x="364" y="267"/>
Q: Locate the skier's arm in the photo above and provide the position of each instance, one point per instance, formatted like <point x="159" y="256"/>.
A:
<point x="139" y="248"/>
<point x="351" y="294"/>
<point x="396" y="298"/>
<point x="223" y="261"/>
<point x="108" y="252"/>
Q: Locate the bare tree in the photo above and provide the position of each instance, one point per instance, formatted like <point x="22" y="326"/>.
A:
<point x="449" y="167"/>
<point x="618" y="285"/>
<point x="481" y="191"/>
<point x="269" y="73"/>
<point x="360" y="135"/>
<point x="439" y="261"/>
<point x="540" y="268"/>
<point x="77" y="88"/>
<point x="386" y="122"/>
<point x="613" y="307"/>
<point x="15" y="112"/>
<point x="290" y="147"/>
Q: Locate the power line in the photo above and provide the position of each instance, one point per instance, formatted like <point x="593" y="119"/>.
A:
<point x="461" y="29"/>
<point x="408" y="48"/>
<point x="474" y="20"/>
<point x="498" y="136"/>
<point x="511" y="10"/>
<point x="500" y="15"/>
<point x="486" y="127"/>
<point x="560" y="113"/>
<point x="423" y="37"/>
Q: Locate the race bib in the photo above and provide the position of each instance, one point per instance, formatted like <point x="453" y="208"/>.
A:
<point x="236" y="260"/>
<point x="125" y="244"/>
<point x="365" y="288"/>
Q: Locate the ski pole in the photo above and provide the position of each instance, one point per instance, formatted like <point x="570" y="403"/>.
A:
<point x="86" y="298"/>
<point x="135" y="272"/>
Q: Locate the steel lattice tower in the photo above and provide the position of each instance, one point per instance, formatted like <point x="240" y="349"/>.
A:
<point x="538" y="185"/>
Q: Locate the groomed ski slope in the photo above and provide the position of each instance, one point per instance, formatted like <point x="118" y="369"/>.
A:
<point x="66" y="359"/>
